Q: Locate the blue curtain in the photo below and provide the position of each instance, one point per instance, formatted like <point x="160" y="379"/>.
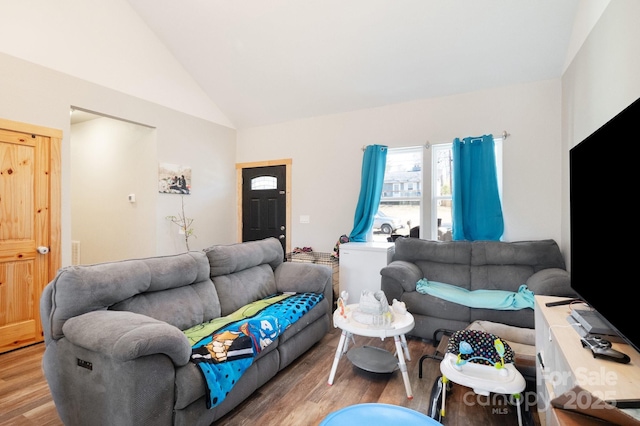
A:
<point x="477" y="211"/>
<point x="373" y="165"/>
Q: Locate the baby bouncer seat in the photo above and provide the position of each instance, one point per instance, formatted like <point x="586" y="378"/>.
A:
<point x="481" y="361"/>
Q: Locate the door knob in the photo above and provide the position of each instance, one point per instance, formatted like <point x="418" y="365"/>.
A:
<point x="281" y="237"/>
<point x="43" y="249"/>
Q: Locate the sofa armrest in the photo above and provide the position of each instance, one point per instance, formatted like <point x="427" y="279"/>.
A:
<point x="398" y="277"/>
<point x="551" y="282"/>
<point x="125" y="336"/>
<point x="404" y="273"/>
<point x="303" y="277"/>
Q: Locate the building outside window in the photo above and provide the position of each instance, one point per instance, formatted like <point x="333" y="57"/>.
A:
<point x="402" y="193"/>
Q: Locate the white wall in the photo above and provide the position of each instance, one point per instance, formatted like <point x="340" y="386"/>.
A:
<point x="111" y="159"/>
<point x="106" y="43"/>
<point x="601" y="81"/>
<point x="326" y="151"/>
<point x="326" y="155"/>
<point x="41" y="96"/>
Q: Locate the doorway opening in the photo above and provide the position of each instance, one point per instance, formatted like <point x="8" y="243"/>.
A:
<point x="113" y="188"/>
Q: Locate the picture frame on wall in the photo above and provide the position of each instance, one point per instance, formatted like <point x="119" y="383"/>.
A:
<point x="174" y="179"/>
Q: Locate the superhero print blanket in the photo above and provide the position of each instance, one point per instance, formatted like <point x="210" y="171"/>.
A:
<point x="225" y="347"/>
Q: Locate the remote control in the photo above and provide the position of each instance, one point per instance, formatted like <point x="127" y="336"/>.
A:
<point x="601" y="348"/>
<point x="562" y="302"/>
<point x="597" y="341"/>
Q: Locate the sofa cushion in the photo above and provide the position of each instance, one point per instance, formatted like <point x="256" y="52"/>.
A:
<point x="243" y="287"/>
<point x="450" y="273"/>
<point x="190" y="384"/>
<point x="539" y="254"/>
<point x="243" y="272"/>
<point x="313" y="315"/>
<point x="505" y="266"/>
<point x="182" y="307"/>
<point x="521" y="318"/>
<point x="499" y="277"/>
<point x="80" y="289"/>
<point x="449" y="252"/>
<point x="424" y="304"/>
<point x="227" y="259"/>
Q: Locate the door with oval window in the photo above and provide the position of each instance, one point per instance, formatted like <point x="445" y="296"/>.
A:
<point x="264" y="203"/>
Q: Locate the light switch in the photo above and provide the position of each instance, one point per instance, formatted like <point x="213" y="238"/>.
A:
<point x="305" y="218"/>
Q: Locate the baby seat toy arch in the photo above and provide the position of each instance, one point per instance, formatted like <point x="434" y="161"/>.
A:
<point x="480" y="347"/>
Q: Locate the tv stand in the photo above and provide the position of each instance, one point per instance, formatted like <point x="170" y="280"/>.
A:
<point x="571" y="383"/>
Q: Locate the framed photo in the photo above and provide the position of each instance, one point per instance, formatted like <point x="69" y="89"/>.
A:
<point x="174" y="179"/>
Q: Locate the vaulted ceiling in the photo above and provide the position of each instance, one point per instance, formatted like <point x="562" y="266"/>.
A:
<point x="270" y="61"/>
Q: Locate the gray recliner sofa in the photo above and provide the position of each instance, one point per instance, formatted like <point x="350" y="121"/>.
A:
<point x="115" y="350"/>
<point x="472" y="265"/>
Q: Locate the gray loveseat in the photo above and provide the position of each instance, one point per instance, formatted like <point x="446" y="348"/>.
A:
<point x="472" y="265"/>
<point x="115" y="351"/>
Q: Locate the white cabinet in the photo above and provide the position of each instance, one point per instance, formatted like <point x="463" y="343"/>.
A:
<point x="568" y="375"/>
<point x="360" y="265"/>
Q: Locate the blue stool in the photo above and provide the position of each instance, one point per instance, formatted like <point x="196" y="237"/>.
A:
<point x="374" y="414"/>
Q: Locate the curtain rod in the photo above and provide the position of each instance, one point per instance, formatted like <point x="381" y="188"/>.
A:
<point x="504" y="135"/>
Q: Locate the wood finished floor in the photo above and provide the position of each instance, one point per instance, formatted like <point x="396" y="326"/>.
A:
<point x="298" y="396"/>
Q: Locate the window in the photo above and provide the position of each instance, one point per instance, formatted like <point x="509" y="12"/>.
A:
<point x="264" y="182"/>
<point x="442" y="179"/>
<point x="400" y="204"/>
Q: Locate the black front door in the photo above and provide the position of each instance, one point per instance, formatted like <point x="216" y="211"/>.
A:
<point x="264" y="202"/>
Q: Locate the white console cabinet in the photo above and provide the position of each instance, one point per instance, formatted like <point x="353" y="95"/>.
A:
<point x="360" y="265"/>
<point x="573" y="387"/>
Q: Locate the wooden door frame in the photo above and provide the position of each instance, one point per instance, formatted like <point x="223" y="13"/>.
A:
<point x="282" y="162"/>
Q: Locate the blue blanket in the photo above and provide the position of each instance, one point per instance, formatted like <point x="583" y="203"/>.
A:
<point x="489" y="299"/>
<point x="225" y="348"/>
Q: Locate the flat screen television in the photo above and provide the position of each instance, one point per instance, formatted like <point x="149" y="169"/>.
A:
<point x="604" y="258"/>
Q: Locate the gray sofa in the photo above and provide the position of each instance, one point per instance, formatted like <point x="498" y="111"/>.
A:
<point x="115" y="350"/>
<point x="471" y="265"/>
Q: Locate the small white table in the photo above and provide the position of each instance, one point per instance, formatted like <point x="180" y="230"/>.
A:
<point x="402" y="324"/>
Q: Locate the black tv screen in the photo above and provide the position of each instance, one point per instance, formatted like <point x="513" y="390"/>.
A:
<point x="603" y="258"/>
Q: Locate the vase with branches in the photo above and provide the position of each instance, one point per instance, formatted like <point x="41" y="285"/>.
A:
<point x="184" y="223"/>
